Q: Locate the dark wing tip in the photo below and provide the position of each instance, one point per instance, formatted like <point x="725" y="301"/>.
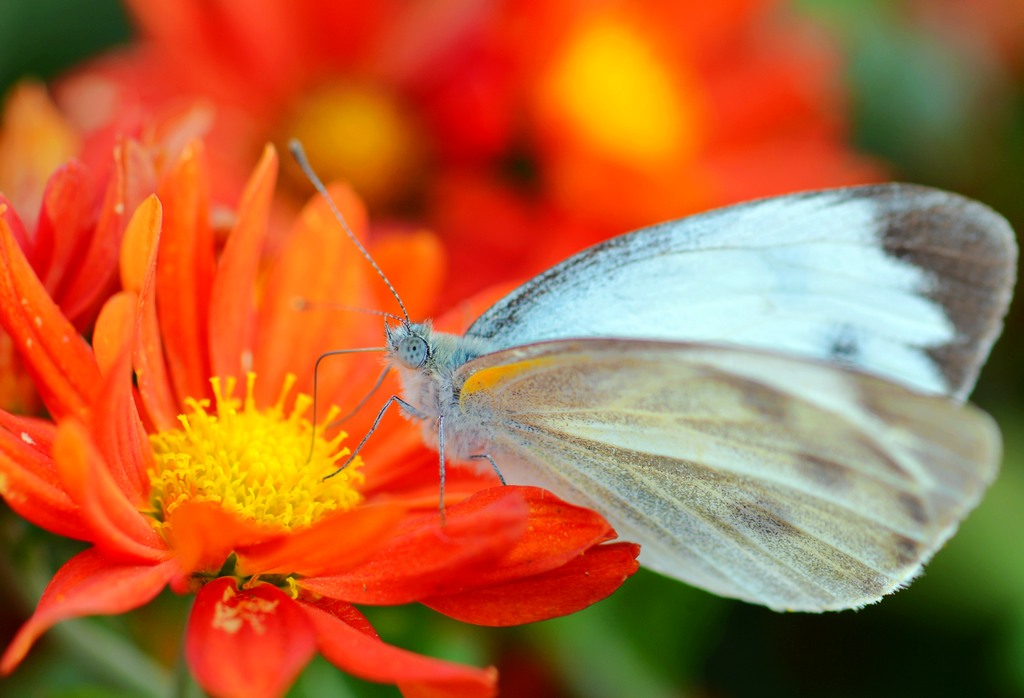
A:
<point x="970" y="254"/>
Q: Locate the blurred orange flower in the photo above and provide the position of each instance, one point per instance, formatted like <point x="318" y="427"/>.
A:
<point x="519" y="130"/>
<point x="649" y="110"/>
<point x="181" y="477"/>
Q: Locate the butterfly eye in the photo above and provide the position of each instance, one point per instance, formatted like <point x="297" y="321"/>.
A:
<point x="413" y="351"/>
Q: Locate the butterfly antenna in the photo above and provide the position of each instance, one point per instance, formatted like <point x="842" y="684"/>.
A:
<point x="300" y="157"/>
<point x="300" y="303"/>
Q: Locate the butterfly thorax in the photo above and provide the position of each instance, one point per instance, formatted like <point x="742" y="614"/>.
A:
<point x="427" y="363"/>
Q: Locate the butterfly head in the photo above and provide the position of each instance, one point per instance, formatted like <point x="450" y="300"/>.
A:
<point x="408" y="344"/>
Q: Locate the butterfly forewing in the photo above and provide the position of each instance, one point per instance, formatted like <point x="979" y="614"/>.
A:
<point x="899" y="280"/>
<point x="795" y="484"/>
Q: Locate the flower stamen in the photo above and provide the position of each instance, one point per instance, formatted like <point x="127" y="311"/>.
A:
<point x="254" y="463"/>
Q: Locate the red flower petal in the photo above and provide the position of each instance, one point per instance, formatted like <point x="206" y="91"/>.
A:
<point x="10" y="215"/>
<point x="585" y="580"/>
<point x="118" y="527"/>
<point x="29" y="481"/>
<point x="231" y="302"/>
<point x="59" y="360"/>
<point x="94" y="274"/>
<point x="558" y="533"/>
<point x="426" y="559"/>
<point x="88" y="584"/>
<point x="39" y="433"/>
<point x="350" y="648"/>
<point x="336" y="542"/>
<point x="250" y="643"/>
<point x="64" y="227"/>
<point x="185" y="274"/>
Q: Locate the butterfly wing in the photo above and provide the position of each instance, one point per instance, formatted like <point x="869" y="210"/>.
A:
<point x="899" y="280"/>
<point x="795" y="484"/>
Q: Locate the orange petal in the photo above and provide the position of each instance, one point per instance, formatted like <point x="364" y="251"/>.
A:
<point x="139" y="270"/>
<point x="59" y="360"/>
<point x="234" y="288"/>
<point x="249" y="643"/>
<point x="349" y="647"/>
<point x="584" y="580"/>
<point x="416" y="266"/>
<point x="335" y="543"/>
<point x="117" y="526"/>
<point x="203" y="535"/>
<point x="116" y="316"/>
<point x="185" y="272"/>
<point x="138" y="249"/>
<point x="320" y="265"/>
<point x="88" y="584"/>
<point x="116" y="427"/>
<point x="426" y="559"/>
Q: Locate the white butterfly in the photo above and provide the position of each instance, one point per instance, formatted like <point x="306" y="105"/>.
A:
<point x="767" y="397"/>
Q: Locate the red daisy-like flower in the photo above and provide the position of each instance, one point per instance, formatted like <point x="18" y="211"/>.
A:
<point x="181" y="477"/>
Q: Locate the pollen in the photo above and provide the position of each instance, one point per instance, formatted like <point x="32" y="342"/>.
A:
<point x="232" y="613"/>
<point x="264" y="465"/>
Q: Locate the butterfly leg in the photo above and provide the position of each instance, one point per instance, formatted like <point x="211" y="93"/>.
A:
<point x="376" y="422"/>
<point x="440" y="455"/>
<point x="316" y="383"/>
<point x="487" y="456"/>
<point x="441" y="464"/>
<point x="365" y="399"/>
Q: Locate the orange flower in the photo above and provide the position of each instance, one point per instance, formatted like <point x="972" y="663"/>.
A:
<point x="644" y="111"/>
<point x="183" y="478"/>
<point x="519" y="130"/>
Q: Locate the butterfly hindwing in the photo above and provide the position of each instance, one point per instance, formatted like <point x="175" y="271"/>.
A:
<point x="795" y="484"/>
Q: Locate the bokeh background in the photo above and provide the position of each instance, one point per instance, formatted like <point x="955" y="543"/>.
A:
<point x="812" y="93"/>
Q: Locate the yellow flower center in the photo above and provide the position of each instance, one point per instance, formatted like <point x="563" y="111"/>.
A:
<point x="360" y="134"/>
<point x="619" y="95"/>
<point x="265" y="466"/>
